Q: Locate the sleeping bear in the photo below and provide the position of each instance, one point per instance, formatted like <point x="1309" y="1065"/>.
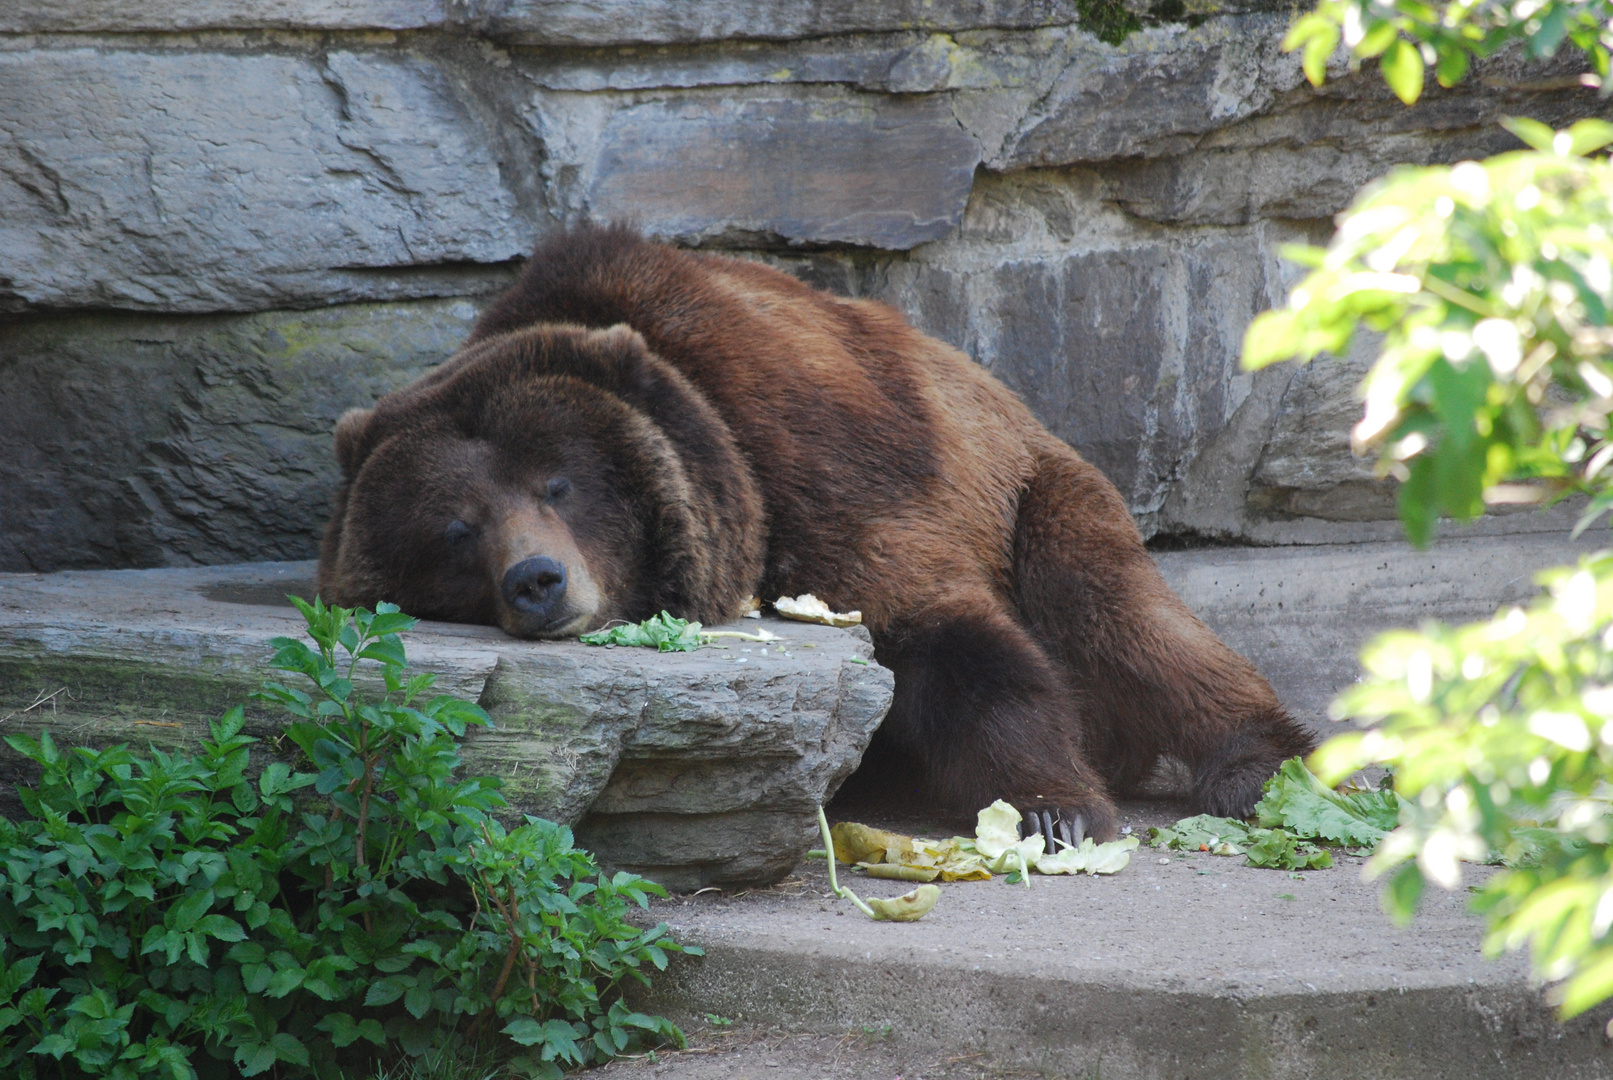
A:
<point x="634" y="428"/>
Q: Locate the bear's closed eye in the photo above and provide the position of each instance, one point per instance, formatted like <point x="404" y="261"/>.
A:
<point x="458" y="532"/>
<point x="558" y="487"/>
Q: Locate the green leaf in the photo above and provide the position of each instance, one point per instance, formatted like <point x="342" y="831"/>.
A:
<point x="229" y="725"/>
<point x="18" y="975"/>
<point x="663" y="632"/>
<point x="1318" y="36"/>
<point x="1587" y="136"/>
<point x="288" y="1047"/>
<point x="387" y="651"/>
<point x="1297" y="801"/>
<point x="558" y="1038"/>
<point x="255" y="1059"/>
<point x="1404" y="893"/>
<point x="221" y="927"/>
<point x="391" y="623"/>
<point x="1537" y="135"/>
<point x="255" y="978"/>
<point x="417" y="999"/>
<point x="1378" y="38"/>
<point x="1452" y="67"/>
<point x="1402" y="67"/>
<point x="382" y="992"/>
<point x="284" y="982"/>
<point x="1591" y="985"/>
<point x="341" y="1027"/>
<point x="189" y="911"/>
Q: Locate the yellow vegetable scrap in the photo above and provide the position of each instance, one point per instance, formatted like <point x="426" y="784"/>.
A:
<point x="908" y="906"/>
<point x="859" y="843"/>
<point x="808" y="608"/>
<point x="994" y="849"/>
<point x="1089" y="858"/>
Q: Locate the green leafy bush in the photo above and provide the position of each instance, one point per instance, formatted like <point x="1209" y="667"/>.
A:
<point x="171" y="916"/>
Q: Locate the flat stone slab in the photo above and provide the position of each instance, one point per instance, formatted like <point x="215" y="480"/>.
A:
<point x="1186" y="967"/>
<point x="690" y="768"/>
<point x="882" y="172"/>
<point x="1301" y="614"/>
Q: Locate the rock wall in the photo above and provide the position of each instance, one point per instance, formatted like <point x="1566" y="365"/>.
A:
<point x="222" y="223"/>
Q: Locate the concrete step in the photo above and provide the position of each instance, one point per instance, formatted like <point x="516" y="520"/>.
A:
<point x="1180" y="967"/>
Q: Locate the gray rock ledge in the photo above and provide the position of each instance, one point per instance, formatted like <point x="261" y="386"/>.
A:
<point x="693" y="769"/>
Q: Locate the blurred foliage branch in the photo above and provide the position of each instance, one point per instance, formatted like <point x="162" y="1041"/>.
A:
<point x="1410" y="36"/>
<point x="1489" y="284"/>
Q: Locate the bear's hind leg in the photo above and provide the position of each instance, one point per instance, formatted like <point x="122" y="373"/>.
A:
<point x="981" y="713"/>
<point x="1153" y="679"/>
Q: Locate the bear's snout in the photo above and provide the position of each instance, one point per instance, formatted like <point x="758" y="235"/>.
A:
<point x="535" y="590"/>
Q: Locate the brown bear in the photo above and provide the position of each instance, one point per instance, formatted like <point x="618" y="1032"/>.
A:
<point x="634" y="428"/>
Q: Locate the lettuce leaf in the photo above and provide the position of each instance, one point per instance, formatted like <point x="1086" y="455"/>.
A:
<point x="663" y="632"/>
<point x="1297" y="801"/>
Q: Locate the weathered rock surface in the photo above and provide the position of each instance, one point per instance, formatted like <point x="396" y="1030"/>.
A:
<point x="691" y="768"/>
<point x="157" y="440"/>
<point x="1096" y="223"/>
<point x="1301" y="613"/>
<point x="888" y="173"/>
<point x="179" y="180"/>
<point x="549" y="22"/>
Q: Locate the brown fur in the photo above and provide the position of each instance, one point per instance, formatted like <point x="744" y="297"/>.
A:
<point x="752" y="434"/>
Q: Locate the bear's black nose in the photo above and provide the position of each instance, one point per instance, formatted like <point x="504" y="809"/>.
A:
<point x="535" y="587"/>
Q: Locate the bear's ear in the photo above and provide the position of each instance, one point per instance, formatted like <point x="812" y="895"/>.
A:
<point x="621" y="336"/>
<point x="350" y="440"/>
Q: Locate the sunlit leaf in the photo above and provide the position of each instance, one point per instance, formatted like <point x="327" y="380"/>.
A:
<point x="1403" y="70"/>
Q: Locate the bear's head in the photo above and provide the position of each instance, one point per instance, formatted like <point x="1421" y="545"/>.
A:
<point x="546" y="481"/>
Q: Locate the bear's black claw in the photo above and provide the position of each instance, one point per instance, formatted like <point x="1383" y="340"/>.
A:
<point x="1057" y="828"/>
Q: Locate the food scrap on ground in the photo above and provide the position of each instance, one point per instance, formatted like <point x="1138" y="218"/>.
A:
<point x="1274" y="849"/>
<point x="662" y="632"/>
<point x="667" y="633"/>
<point x="808" y="608"/>
<point x="996" y="848"/>
<point x="908" y="907"/>
<point x="1299" y="819"/>
<point x="1297" y="815"/>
